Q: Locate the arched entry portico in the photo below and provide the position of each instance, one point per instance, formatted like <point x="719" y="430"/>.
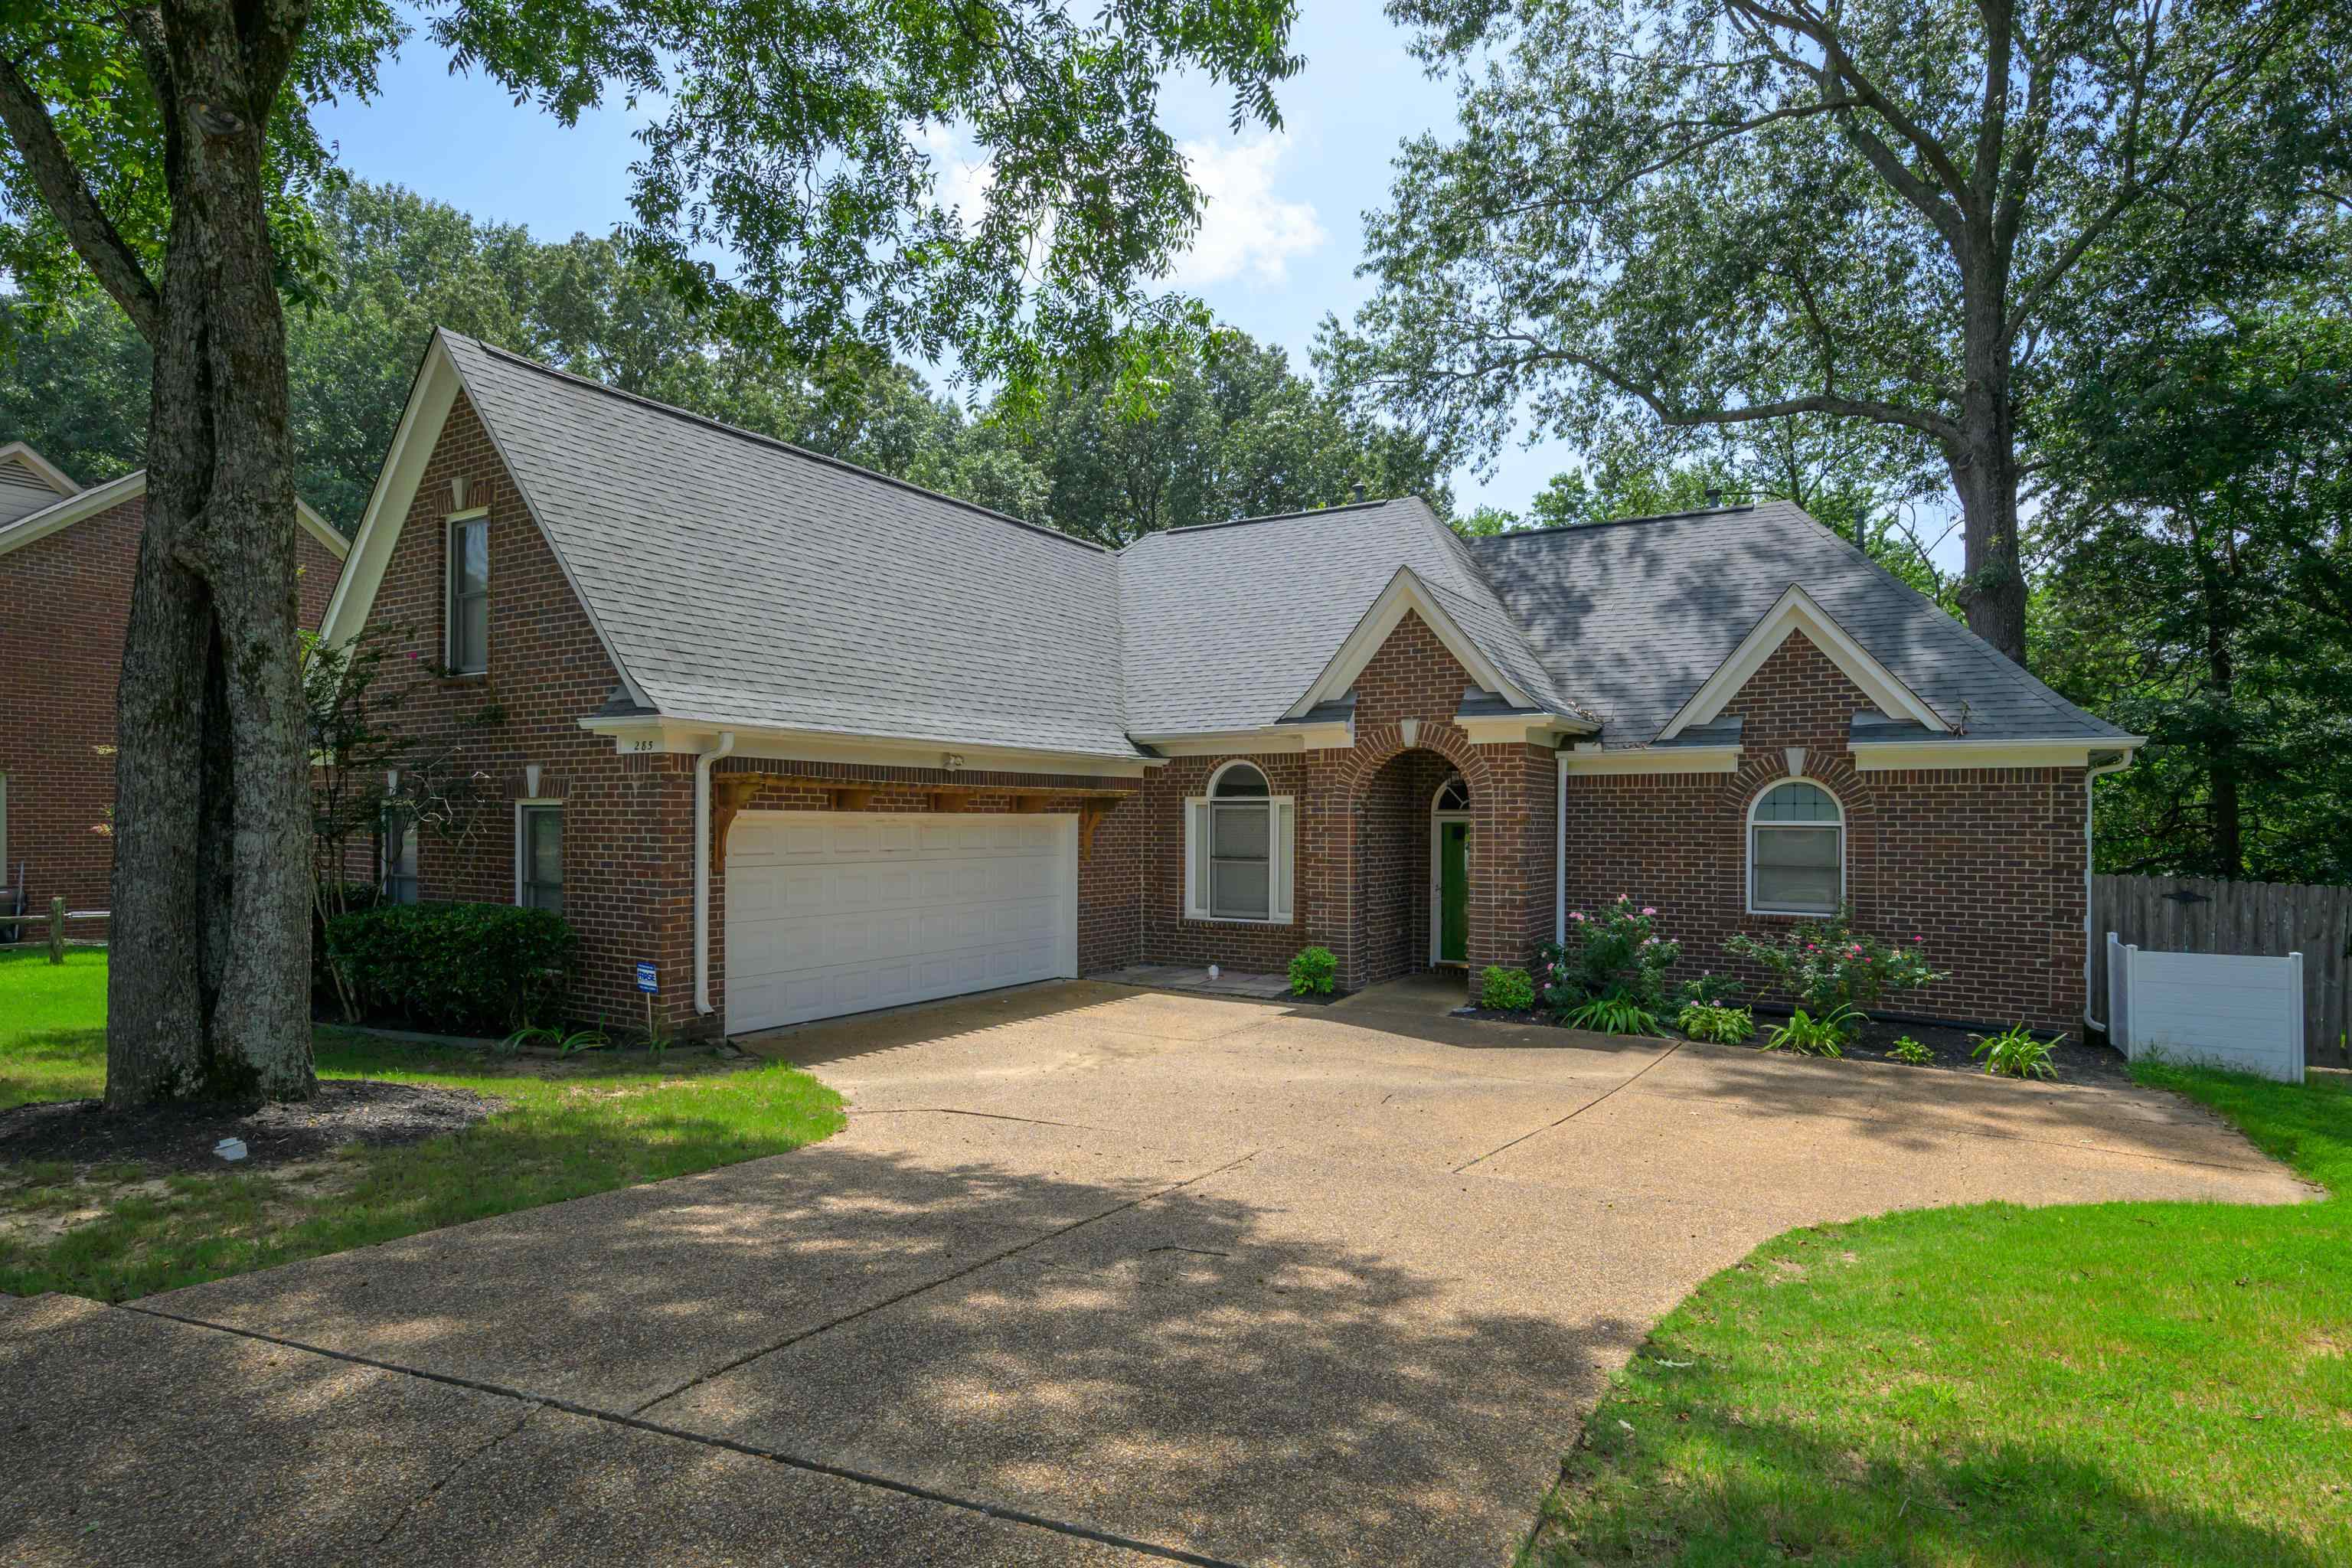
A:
<point x="1415" y="813"/>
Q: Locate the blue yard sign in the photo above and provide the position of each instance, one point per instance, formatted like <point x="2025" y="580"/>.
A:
<point x="645" y="981"/>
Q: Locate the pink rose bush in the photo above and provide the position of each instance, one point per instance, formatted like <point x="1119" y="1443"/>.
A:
<point x="1826" y="965"/>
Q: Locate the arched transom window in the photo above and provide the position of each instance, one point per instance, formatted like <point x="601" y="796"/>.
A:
<point x="1796" y="851"/>
<point x="1454" y="796"/>
<point x="1238" y="846"/>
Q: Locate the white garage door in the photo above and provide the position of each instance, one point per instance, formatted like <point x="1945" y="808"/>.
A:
<point x="831" y="913"/>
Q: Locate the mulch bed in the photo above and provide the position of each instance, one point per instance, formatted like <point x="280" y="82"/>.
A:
<point x="181" y="1137"/>
<point x="2074" y="1061"/>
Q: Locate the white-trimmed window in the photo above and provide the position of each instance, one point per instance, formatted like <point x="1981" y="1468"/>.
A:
<point x="1796" y="850"/>
<point x="399" y="855"/>
<point x="538" y="856"/>
<point x="1240" y="841"/>
<point x="468" y="610"/>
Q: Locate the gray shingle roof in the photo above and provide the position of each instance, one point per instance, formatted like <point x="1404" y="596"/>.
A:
<point x="1227" y="627"/>
<point x="743" y="580"/>
<point x="1635" y="616"/>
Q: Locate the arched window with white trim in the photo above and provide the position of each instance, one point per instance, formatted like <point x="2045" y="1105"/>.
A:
<point x="1796" y="850"/>
<point x="1240" y="841"/>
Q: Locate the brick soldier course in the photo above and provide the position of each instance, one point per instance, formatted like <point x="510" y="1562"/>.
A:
<point x="662" y="589"/>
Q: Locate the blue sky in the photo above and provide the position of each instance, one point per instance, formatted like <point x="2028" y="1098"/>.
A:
<point x="1278" y="247"/>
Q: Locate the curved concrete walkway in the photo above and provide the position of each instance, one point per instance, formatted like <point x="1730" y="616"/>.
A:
<point x="1094" y="1273"/>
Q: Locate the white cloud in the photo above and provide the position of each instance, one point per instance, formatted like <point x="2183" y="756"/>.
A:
<point x="1244" y="227"/>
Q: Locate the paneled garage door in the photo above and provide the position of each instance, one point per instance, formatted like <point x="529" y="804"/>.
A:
<point x="831" y="912"/>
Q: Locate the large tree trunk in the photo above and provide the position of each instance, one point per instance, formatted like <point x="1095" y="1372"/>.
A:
<point x="1984" y="460"/>
<point x="208" y="989"/>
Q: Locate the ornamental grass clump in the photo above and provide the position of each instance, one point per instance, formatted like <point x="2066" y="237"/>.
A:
<point x="1807" y="1035"/>
<point x="2017" y="1052"/>
<point x="1612" y="954"/>
<point x="1824" y="965"/>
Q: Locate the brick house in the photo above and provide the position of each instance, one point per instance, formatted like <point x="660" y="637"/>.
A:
<point x="67" y="554"/>
<point x="809" y="741"/>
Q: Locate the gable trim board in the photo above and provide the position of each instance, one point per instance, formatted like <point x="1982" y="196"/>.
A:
<point x="1797" y="611"/>
<point x="1958" y="752"/>
<point x="82" y="504"/>
<point x="432" y="395"/>
<point x="1406" y="593"/>
<point x="49" y="473"/>
<point x="657" y="734"/>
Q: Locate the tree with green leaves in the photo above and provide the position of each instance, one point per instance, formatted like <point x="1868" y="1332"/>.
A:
<point x="166" y="151"/>
<point x="1691" y="213"/>
<point x="1232" y="432"/>
<point x="2200" y="589"/>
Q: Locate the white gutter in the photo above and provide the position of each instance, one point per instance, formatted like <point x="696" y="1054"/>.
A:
<point x="702" y="871"/>
<point x="2090" y="910"/>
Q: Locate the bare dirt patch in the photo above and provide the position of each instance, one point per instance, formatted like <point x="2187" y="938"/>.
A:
<point x="181" y="1137"/>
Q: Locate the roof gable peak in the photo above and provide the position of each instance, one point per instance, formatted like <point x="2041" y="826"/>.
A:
<point x="1797" y="611"/>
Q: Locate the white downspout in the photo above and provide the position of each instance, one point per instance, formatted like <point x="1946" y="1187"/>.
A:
<point x="702" y="871"/>
<point x="2090" y="909"/>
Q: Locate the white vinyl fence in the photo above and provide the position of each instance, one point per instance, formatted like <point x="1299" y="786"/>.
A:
<point x="2221" y="1009"/>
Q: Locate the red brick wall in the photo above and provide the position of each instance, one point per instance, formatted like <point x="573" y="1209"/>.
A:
<point x="1986" y="865"/>
<point x="65" y="606"/>
<point x="1362" y="881"/>
<point x="628" y="821"/>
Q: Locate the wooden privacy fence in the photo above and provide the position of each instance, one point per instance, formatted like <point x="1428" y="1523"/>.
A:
<point x="2195" y="914"/>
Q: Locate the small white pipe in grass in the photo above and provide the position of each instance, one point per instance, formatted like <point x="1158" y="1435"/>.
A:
<point x="702" y="871"/>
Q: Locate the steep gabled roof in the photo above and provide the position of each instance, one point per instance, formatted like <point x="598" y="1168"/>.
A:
<point x="1230" y="625"/>
<point x="1639" y="613"/>
<point x="741" y="580"/>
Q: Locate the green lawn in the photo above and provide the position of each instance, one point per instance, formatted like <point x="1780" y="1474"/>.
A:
<point x="572" y="1128"/>
<point x="2120" y="1384"/>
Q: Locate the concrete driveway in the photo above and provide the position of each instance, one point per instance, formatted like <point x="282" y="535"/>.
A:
<point x="1094" y="1275"/>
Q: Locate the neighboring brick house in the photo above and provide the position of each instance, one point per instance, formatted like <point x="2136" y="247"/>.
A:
<point x="809" y="741"/>
<point x="68" y="555"/>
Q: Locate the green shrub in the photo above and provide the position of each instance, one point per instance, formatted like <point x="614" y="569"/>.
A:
<point x="1512" y="990"/>
<point x="2016" y="1053"/>
<point x="1613" y="954"/>
<point x="1826" y="964"/>
<point x="1313" y="973"/>
<point x="462" y="969"/>
<point x="1907" y="1049"/>
<point x="1718" y="1026"/>
<point x="1614" y="1015"/>
<point x="1708" y="990"/>
<point x="1811" y="1037"/>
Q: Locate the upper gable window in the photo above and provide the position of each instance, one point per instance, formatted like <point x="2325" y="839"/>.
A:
<point x="1796" y="851"/>
<point x="1239" y="842"/>
<point x="468" y="608"/>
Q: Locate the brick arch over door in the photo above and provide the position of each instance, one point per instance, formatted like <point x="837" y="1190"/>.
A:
<point x="1381" y="846"/>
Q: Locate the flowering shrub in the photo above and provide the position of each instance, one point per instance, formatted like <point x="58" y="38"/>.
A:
<point x="1613" y="952"/>
<point x="1826" y="964"/>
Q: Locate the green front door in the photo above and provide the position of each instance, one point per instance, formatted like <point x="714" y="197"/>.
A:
<point x="1452" y="892"/>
